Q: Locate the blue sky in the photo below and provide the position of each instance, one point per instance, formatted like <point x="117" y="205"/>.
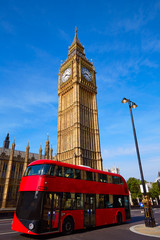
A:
<point x="122" y="38"/>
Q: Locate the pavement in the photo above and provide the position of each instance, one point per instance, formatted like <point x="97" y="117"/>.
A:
<point x="147" y="231"/>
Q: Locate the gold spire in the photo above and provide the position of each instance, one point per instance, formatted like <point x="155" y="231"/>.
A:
<point x="40" y="152"/>
<point x="76" y="40"/>
<point x="27" y="148"/>
<point x="13" y="144"/>
<point x="47" y="148"/>
<point x="51" y="151"/>
<point x="76" y="45"/>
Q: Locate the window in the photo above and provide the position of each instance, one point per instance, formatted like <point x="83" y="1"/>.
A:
<point x="4" y="170"/>
<point x="68" y="201"/>
<point x="10" y="191"/>
<point x="33" y="170"/>
<point x="68" y="172"/>
<point x="105" y="201"/>
<point x="51" y="170"/>
<point x="102" y="178"/>
<point x="1" y="192"/>
<point x="72" y="201"/>
<point x="58" y="171"/>
<point x="46" y="169"/>
<point x="13" y="170"/>
<point x="20" y="171"/>
<point x="77" y="174"/>
<point x="126" y="202"/>
<point x="117" y="180"/>
<point x="79" y="200"/>
<point x="89" y="176"/>
<point x="117" y="201"/>
<point x="101" y="200"/>
<point x="110" y="179"/>
<point x="127" y="208"/>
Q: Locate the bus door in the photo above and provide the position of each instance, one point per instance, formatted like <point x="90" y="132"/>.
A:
<point x="51" y="211"/>
<point x="89" y="210"/>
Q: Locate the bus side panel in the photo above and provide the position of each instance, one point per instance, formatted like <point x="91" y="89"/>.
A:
<point x="104" y="216"/>
<point x="108" y="216"/>
<point x="77" y="216"/>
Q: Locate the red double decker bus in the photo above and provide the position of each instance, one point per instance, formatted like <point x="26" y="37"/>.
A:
<point x="61" y="197"/>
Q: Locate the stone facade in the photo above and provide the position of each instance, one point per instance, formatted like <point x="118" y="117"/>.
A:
<point x="78" y="139"/>
<point x="12" y="166"/>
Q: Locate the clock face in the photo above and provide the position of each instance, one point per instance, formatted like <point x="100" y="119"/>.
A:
<point x="66" y="75"/>
<point x="86" y="74"/>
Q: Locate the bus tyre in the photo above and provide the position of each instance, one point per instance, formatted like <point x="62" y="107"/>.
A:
<point x="119" y="218"/>
<point x="68" y="225"/>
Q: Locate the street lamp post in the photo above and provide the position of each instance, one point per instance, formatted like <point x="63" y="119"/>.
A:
<point x="149" y="219"/>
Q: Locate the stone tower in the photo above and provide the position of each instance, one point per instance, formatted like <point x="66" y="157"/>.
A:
<point x="78" y="131"/>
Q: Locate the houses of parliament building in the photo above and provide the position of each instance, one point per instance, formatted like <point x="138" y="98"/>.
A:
<point x="78" y="140"/>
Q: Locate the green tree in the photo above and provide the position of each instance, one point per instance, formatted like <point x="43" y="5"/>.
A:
<point x="134" y="187"/>
<point x="154" y="191"/>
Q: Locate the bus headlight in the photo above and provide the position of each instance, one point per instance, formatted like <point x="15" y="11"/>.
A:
<point x="31" y="226"/>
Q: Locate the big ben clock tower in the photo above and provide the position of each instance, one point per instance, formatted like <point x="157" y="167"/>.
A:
<point x="78" y="132"/>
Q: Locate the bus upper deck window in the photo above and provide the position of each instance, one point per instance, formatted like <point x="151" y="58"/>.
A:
<point x="33" y="170"/>
<point x="89" y="176"/>
<point x="46" y="169"/>
<point x="117" y="180"/>
<point x="110" y="180"/>
<point x="58" y="171"/>
<point x="68" y="172"/>
<point x="77" y="174"/>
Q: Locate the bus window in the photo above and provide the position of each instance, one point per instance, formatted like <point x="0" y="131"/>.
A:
<point x="121" y="181"/>
<point x="68" y="201"/>
<point x="117" y="180"/>
<point x="51" y="172"/>
<point x="110" y="201"/>
<point x="117" y="201"/>
<point x="94" y="176"/>
<point x="101" y="200"/>
<point x="89" y="176"/>
<point x="33" y="170"/>
<point x="55" y="201"/>
<point x="83" y="175"/>
<point x="126" y="206"/>
<point x="77" y="174"/>
<point x="58" y="171"/>
<point x="102" y="178"/>
<point x="46" y="169"/>
<point x="79" y="200"/>
<point x="110" y="179"/>
<point x="68" y="172"/>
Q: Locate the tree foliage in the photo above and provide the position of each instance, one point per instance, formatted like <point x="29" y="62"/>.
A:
<point x="134" y="187"/>
<point x="154" y="191"/>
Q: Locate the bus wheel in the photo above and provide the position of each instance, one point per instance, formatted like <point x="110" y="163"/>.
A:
<point x="68" y="226"/>
<point x="119" y="218"/>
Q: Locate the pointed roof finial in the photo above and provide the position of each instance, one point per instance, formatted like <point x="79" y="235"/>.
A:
<point x="76" y="40"/>
<point x="75" y="30"/>
<point x="76" y="45"/>
<point x="27" y="148"/>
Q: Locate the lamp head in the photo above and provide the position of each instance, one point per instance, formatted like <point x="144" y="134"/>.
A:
<point x="124" y="100"/>
<point x="134" y="105"/>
